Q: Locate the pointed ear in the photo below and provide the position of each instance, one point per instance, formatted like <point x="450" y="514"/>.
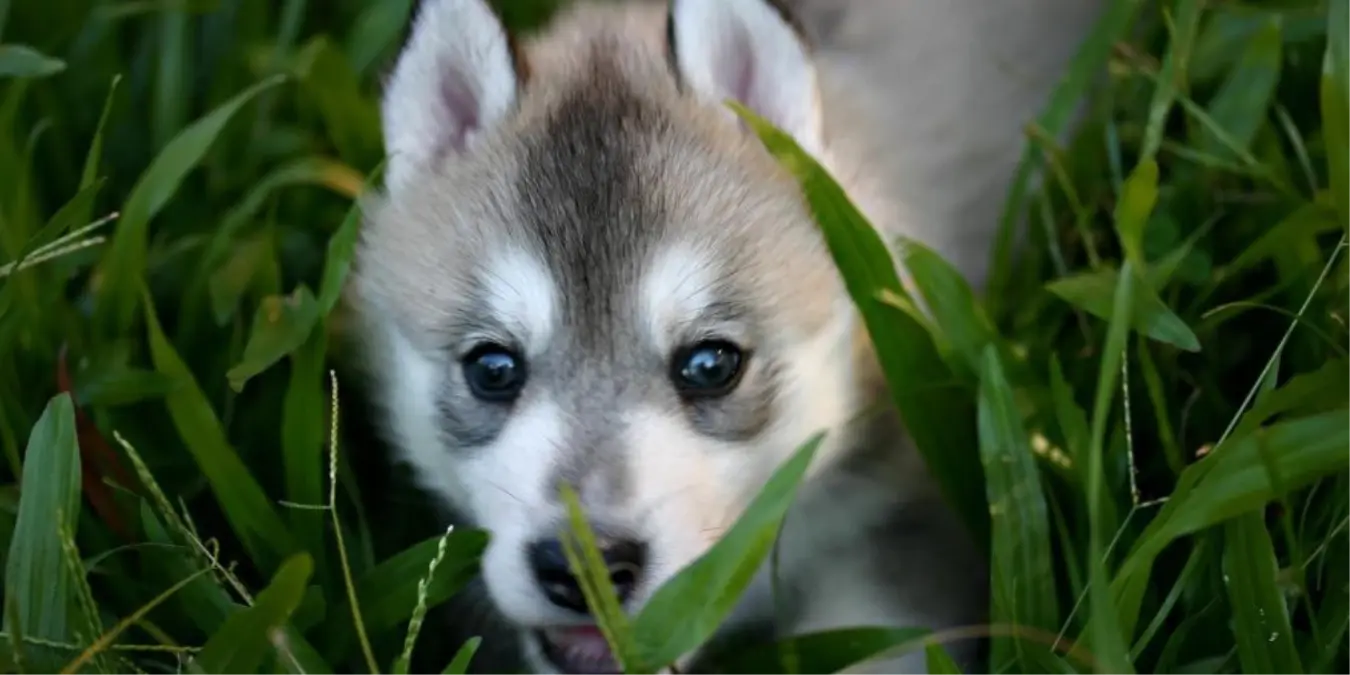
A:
<point x="455" y="78"/>
<point x="751" y="52"/>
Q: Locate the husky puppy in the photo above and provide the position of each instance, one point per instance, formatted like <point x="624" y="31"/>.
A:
<point x="585" y="270"/>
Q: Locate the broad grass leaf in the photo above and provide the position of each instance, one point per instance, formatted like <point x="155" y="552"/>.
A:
<point x="125" y="259"/>
<point x="1230" y="481"/>
<point x="387" y="594"/>
<point x="1241" y="104"/>
<point x="690" y="606"/>
<point x="249" y="635"/>
<point x="246" y="506"/>
<point x="1326" y="388"/>
<point x="1023" y="581"/>
<point x="40" y="603"/>
<point x="25" y="62"/>
<point x="460" y="663"/>
<point x="1335" y="104"/>
<point x="1199" y="555"/>
<point x="822" y="652"/>
<point x="1137" y="198"/>
<point x="1093" y="292"/>
<point x="938" y="412"/>
<point x="1265" y="639"/>
<point x="952" y="303"/>
<point x="280" y="325"/>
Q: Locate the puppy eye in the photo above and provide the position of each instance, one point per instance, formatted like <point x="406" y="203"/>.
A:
<point x="707" y="369"/>
<point x="494" y="373"/>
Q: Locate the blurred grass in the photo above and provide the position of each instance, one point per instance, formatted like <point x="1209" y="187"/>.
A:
<point x="1157" y="384"/>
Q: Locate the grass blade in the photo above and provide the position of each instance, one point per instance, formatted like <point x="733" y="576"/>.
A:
<point x="388" y="593"/>
<point x="591" y="572"/>
<point x="937" y="414"/>
<point x="1265" y="640"/>
<point x="1087" y="65"/>
<point x="302" y="436"/>
<point x="23" y="61"/>
<point x="341" y="249"/>
<point x="39" y="589"/>
<point x="1172" y="74"/>
<point x="1106" y="634"/>
<point x="689" y="607"/>
<point x="125" y="260"/>
<point x="951" y="301"/>
<point x="1022" y="583"/>
<point x="241" y="645"/>
<point x="1093" y="292"/>
<point x="1232" y="482"/>
<point x="247" y="508"/>
<point x="1239" y="108"/>
<point x="939" y="662"/>
<point x="280" y="326"/>
<point x="460" y="663"/>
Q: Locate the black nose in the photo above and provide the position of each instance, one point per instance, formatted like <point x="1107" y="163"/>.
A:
<point x="624" y="558"/>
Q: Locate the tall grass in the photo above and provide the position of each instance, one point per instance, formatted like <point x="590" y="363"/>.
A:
<point x="1153" y="392"/>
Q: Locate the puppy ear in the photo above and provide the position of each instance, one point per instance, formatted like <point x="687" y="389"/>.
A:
<point x="748" y="51"/>
<point x="455" y="78"/>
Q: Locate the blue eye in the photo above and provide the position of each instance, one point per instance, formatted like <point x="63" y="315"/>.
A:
<point x="494" y="373"/>
<point x="707" y="369"/>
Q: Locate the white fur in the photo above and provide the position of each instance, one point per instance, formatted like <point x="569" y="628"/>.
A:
<point x="510" y="479"/>
<point x="676" y="287"/>
<point x="523" y="296"/>
<point x="744" y="51"/>
<point x="411" y="404"/>
<point x="453" y="81"/>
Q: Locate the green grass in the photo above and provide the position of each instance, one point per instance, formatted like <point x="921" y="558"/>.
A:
<point x="1154" y="390"/>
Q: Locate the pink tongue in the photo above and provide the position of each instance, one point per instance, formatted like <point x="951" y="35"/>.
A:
<point x="585" y="648"/>
<point x="580" y="633"/>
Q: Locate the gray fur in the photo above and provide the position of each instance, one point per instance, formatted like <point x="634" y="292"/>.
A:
<point x="605" y="162"/>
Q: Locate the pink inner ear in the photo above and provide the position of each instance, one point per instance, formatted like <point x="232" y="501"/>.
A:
<point x="461" y="110"/>
<point x="741" y="66"/>
<point x="737" y="58"/>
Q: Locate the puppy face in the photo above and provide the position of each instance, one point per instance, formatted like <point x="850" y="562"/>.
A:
<point x="586" y="272"/>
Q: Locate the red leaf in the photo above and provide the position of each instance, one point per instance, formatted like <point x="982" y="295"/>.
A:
<point x="97" y="461"/>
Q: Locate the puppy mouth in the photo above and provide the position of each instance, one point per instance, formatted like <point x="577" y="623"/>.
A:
<point x="577" y="649"/>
